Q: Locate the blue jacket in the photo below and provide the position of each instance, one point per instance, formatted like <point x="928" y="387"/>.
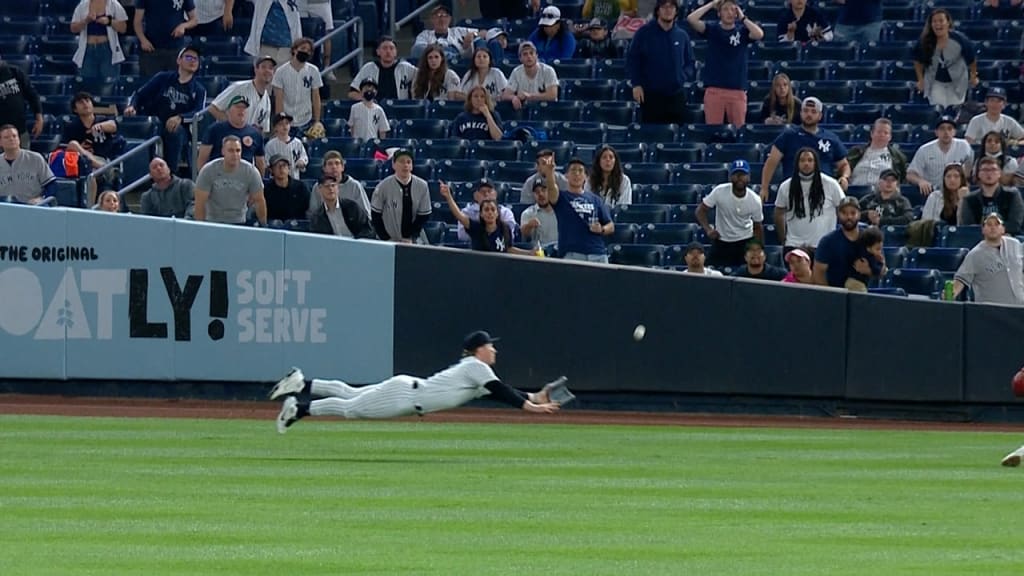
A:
<point x="163" y="96"/>
<point x="661" y="61"/>
<point x="561" y="47"/>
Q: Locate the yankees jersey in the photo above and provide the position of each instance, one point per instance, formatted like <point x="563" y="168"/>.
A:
<point x="25" y="176"/>
<point x="389" y="200"/>
<point x="258" y="113"/>
<point x="829" y="148"/>
<point x="394" y="83"/>
<point x="494" y="82"/>
<point x="451" y="42"/>
<point x="229" y="190"/>
<point x="455" y="385"/>
<point x="930" y="161"/>
<point x="298" y="86"/>
<point x="293" y="149"/>
<point x="519" y="81"/>
<point x="450" y="84"/>
<point x="366" y="122"/>
<point x="1005" y="125"/>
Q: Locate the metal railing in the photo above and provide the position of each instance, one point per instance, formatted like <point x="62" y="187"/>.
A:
<point x="142" y="148"/>
<point x="394" y="25"/>
<point x="356" y="53"/>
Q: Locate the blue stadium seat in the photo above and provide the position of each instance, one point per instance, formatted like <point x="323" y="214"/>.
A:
<point x="673" y="193"/>
<point x="28" y="64"/>
<point x="562" y="150"/>
<point x="901" y="31"/>
<point x="917" y="281"/>
<point x="23" y="24"/>
<point x="960" y="236"/>
<point x="347" y="147"/>
<point x="760" y="133"/>
<point x="511" y="171"/>
<point x="998" y="50"/>
<point x="829" y="52"/>
<point x="228" y="46"/>
<point x="496" y="150"/>
<point x="11" y="45"/>
<point x="423" y="128"/>
<point x="642" y="213"/>
<point x="214" y="85"/>
<point x="338" y="108"/>
<point x="445" y="110"/>
<point x="631" y="152"/>
<point x="572" y="69"/>
<point x="685" y="213"/>
<point x="652" y="133"/>
<point x="617" y="113"/>
<point x="635" y="254"/>
<point x="335" y="127"/>
<point x="888" y="292"/>
<point x="983" y="28"/>
<point x="842" y="130"/>
<point x="675" y="153"/>
<point x="876" y="52"/>
<point x="895" y="235"/>
<point x="879" y="91"/>
<point x="404" y="109"/>
<point x="363" y="168"/>
<point x="895" y="256"/>
<point x="234" y="67"/>
<point x="56" y="86"/>
<point x="625" y="233"/>
<point x="708" y="133"/>
<point x="648" y="172"/>
<point x="959" y="10"/>
<point x="62" y="46"/>
<point x="580" y="132"/>
<point x="441" y="149"/>
<point x="855" y="113"/>
<point x="829" y="91"/>
<point x="775" y="52"/>
<point x="922" y="114"/>
<point x="900" y="11"/>
<point x="674" y="256"/>
<point x="669" y="234"/>
<point x="750" y="151"/>
<point x="588" y="90"/>
<point x="611" y="69"/>
<point x="804" y="71"/>
<point x="941" y="259"/>
<point x="694" y="173"/>
<point x="900" y="71"/>
<point x="45" y="144"/>
<point x="461" y="170"/>
<point x="138" y="127"/>
<point x="585" y="152"/>
<point x="558" y="111"/>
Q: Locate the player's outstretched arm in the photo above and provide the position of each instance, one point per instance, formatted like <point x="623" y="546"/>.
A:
<point x="508" y="395"/>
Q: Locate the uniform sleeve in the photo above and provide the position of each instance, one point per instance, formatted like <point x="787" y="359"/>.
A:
<point x="451" y="82"/>
<point x="44" y="173"/>
<point x="917" y="163"/>
<point x="526" y="215"/>
<point x="500" y="82"/>
<point x="625" y="191"/>
<point x="550" y="77"/>
<point x="711" y="200"/>
<point x="222" y="99"/>
<point x="383" y="120"/>
<point x="974" y="129"/>
<point x="318" y="81"/>
<point x="423" y="201"/>
<point x="119" y="13"/>
<point x="1015" y="130"/>
<point x="514" y="79"/>
<point x="968" y="269"/>
<point x="480" y="374"/>
<point x="377" y="202"/>
<point x="301" y="149"/>
<point x="278" y="81"/>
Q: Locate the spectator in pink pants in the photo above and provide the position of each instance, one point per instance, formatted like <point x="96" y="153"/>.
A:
<point x="725" y="72"/>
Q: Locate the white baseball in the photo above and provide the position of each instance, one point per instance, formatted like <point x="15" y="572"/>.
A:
<point x="639" y="332"/>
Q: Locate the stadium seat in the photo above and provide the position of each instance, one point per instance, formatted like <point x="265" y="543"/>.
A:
<point x="558" y="111"/>
<point x="673" y="193"/>
<point x="941" y="259"/>
<point x="916" y="281"/>
<point x="760" y="133"/>
<point x="424" y="128"/>
<point x="509" y="150"/>
<point x="708" y="133"/>
<point x="585" y="152"/>
<point x="804" y="71"/>
<point x="678" y="152"/>
<point x="336" y="127"/>
<point x="876" y="91"/>
<point x="685" y="213"/>
<point x="26" y="26"/>
<point x="611" y="69"/>
<point x="692" y="173"/>
<point x="877" y="52"/>
<point x="829" y="91"/>
<point x="234" y="67"/>
<point x="829" y="52"/>
<point x="669" y="234"/>
<point x="138" y="127"/>
<point x="856" y="71"/>
<point x="28" y="64"/>
<point x="370" y="147"/>
<point x="460" y="170"/>
<point x="53" y="86"/>
<point x="442" y="149"/>
<point x="635" y="254"/>
<point x="989" y="50"/>
<point x="901" y="31"/>
<point x="641" y="213"/>
<point x="625" y="233"/>
<point x="445" y="110"/>
<point x="574" y="68"/>
<point x="363" y="169"/>
<point x="61" y="46"/>
<point x="15" y="44"/>
<point x="617" y="113"/>
<point x="648" y="172"/>
<point x="347" y="147"/>
<point x="224" y="46"/>
<point x="894" y="235"/>
<point x="588" y="90"/>
<point x="922" y="114"/>
<point x="895" y="256"/>
<point x="562" y="150"/>
<point x="580" y="132"/>
<point x="404" y="109"/>
<point x="338" y="108"/>
<point x="750" y="151"/>
<point x="628" y="152"/>
<point x="511" y="171"/>
<point x="900" y="71"/>
<point x="855" y="113"/>
<point x="775" y="51"/>
<point x="888" y="292"/>
<point x="651" y="133"/>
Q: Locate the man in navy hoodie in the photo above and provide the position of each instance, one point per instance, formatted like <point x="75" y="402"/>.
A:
<point x="173" y="97"/>
<point x="660" y="62"/>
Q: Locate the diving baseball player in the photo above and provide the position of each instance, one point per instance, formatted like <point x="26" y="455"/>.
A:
<point x="472" y="377"/>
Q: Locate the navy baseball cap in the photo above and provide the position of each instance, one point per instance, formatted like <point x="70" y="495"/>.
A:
<point x="996" y="92"/>
<point x="694" y="246"/>
<point x="945" y="120"/>
<point x="477" y="339"/>
<point x="740" y="165"/>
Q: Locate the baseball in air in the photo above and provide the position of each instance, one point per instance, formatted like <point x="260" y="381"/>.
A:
<point x="1018" y="383"/>
<point x="639" y="332"/>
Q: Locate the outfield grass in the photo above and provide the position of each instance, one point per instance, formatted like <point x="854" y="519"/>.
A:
<point x="152" y="496"/>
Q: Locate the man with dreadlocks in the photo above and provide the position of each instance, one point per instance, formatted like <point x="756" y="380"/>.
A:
<point x="805" y="209"/>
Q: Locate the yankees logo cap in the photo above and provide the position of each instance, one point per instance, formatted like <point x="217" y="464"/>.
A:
<point x="476" y="339"/>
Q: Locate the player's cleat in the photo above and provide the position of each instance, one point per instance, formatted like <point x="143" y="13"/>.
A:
<point x="288" y="414"/>
<point x="292" y="383"/>
<point x="1013" y="458"/>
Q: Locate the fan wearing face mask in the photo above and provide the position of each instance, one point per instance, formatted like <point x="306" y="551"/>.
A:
<point x="297" y="88"/>
<point x="367" y="119"/>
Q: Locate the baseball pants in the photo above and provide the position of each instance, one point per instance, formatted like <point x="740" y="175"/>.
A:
<point x="391" y="398"/>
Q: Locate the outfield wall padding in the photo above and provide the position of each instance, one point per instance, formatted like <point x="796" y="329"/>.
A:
<point x="993" y="351"/>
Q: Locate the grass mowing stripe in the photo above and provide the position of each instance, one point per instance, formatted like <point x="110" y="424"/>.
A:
<point x="144" y="496"/>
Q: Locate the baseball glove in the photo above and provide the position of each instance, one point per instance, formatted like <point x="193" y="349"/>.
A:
<point x="316" y="131"/>
<point x="558" y="392"/>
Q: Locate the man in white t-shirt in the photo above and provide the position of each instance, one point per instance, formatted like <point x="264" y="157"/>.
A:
<point x="993" y="120"/>
<point x="532" y="80"/>
<point x="928" y="167"/>
<point x="455" y="41"/>
<point x="805" y="208"/>
<point x="471" y="378"/>
<point x="538" y="223"/>
<point x="297" y="87"/>
<point x="695" y="261"/>
<point x="738" y="217"/>
<point x="256" y="92"/>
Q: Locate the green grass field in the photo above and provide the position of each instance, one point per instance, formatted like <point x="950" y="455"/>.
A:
<point x="154" y="496"/>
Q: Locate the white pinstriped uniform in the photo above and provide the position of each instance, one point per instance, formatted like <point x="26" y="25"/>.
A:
<point x="404" y="395"/>
<point x="930" y="161"/>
